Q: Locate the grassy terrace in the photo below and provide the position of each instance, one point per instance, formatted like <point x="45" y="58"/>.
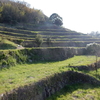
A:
<point x="76" y="41"/>
<point x="77" y="92"/>
<point x="52" y="32"/>
<point x="59" y="37"/>
<point x="56" y="38"/>
<point x="28" y="73"/>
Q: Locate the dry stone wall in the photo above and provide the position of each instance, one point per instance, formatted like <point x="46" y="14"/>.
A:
<point x="12" y="57"/>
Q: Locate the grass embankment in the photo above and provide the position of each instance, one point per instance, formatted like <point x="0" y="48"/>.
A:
<point x="6" y="44"/>
<point x="77" y="92"/>
<point x="28" y="73"/>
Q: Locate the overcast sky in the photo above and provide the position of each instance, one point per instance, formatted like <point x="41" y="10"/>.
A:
<point x="79" y="15"/>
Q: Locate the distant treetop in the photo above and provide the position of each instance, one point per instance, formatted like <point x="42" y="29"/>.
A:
<point x="56" y="19"/>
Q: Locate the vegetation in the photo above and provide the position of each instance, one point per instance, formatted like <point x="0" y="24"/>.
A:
<point x="95" y="34"/>
<point x="10" y="58"/>
<point x="56" y="19"/>
<point x="93" y="48"/>
<point x="27" y="73"/>
<point x="49" y="41"/>
<point x="77" y="92"/>
<point x="14" y="12"/>
<point x="29" y="27"/>
<point x="6" y="44"/>
<point x="59" y="37"/>
<point x="38" y="40"/>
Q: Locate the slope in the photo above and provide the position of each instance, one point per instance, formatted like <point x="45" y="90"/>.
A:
<point x="59" y="36"/>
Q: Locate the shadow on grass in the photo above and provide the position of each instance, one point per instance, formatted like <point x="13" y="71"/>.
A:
<point x="41" y="62"/>
<point x="96" y="74"/>
<point x="71" y="88"/>
<point x="29" y="63"/>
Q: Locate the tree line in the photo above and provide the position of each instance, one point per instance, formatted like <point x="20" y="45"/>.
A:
<point x="12" y="12"/>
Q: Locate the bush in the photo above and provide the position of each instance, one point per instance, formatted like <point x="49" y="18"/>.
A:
<point x="38" y="40"/>
<point x="93" y="48"/>
<point x="49" y="41"/>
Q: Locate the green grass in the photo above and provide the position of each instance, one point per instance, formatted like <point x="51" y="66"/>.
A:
<point x="57" y="35"/>
<point x="6" y="44"/>
<point x="77" y="92"/>
<point x="93" y="73"/>
<point x="27" y="73"/>
<point x="80" y="91"/>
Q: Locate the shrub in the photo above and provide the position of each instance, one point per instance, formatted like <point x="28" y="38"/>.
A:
<point x="93" y="48"/>
<point x="38" y="40"/>
<point x="48" y="41"/>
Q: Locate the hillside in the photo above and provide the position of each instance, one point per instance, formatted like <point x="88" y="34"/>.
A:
<point x="45" y="58"/>
<point x="21" y="24"/>
<point x="46" y="78"/>
<point x="58" y="36"/>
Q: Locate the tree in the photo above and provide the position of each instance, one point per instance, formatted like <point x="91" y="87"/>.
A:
<point x="94" y="49"/>
<point x="12" y="12"/>
<point x="38" y="40"/>
<point x="56" y="19"/>
<point x="49" y="41"/>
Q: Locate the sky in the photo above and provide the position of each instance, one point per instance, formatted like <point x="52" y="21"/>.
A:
<point x="78" y="15"/>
